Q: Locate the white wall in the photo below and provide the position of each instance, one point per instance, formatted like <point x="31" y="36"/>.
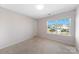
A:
<point x="42" y="28"/>
<point x="15" y="28"/>
<point x="77" y="28"/>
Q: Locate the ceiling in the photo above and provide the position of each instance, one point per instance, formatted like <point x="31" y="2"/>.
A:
<point x="31" y="11"/>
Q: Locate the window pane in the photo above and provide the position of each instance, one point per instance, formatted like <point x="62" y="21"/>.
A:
<point x="61" y="27"/>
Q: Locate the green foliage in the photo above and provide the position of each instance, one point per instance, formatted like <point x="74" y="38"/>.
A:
<point x="52" y="30"/>
<point x="64" y="30"/>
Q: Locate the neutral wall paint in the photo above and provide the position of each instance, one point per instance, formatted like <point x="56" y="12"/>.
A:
<point x="42" y="28"/>
<point x="77" y="29"/>
<point x="15" y="28"/>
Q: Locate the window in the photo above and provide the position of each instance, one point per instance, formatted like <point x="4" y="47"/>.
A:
<point x="60" y="27"/>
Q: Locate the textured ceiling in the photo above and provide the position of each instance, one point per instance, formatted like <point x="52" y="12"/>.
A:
<point x="31" y="11"/>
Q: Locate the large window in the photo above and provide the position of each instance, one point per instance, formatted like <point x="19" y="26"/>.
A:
<point x="60" y="26"/>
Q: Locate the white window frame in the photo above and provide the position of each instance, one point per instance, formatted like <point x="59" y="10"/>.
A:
<point x="60" y="34"/>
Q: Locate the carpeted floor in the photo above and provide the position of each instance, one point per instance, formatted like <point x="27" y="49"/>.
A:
<point x="39" y="46"/>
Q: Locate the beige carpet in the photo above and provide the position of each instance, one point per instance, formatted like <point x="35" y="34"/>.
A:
<point x="38" y="45"/>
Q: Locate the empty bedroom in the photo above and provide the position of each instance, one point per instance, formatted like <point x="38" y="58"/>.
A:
<point x="39" y="28"/>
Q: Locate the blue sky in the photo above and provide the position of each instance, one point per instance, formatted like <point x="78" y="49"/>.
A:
<point x="64" y="21"/>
